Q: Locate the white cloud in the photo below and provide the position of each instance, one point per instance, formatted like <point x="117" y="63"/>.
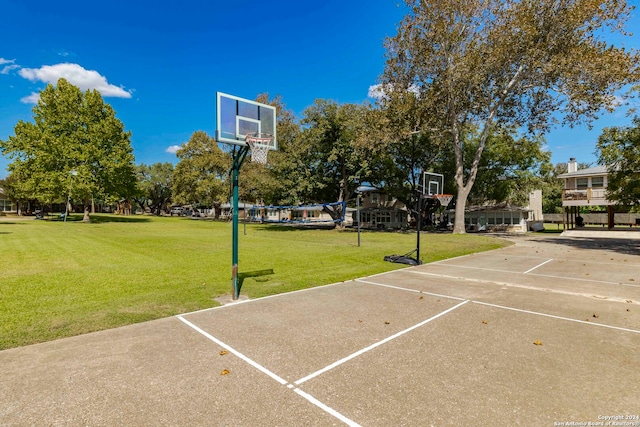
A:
<point x="31" y="99"/>
<point x="7" y="68"/>
<point x="375" y="92"/>
<point x="173" y="149"/>
<point x="76" y="75"/>
<point x="378" y="92"/>
<point x="12" y="65"/>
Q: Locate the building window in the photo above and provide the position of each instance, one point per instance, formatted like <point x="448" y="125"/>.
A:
<point x="597" y="182"/>
<point x="384" y="217"/>
<point x="5" y="205"/>
<point x="582" y="183"/>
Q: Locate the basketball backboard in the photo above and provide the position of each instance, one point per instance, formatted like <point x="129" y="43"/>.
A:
<point x="237" y="117"/>
<point x="433" y="183"/>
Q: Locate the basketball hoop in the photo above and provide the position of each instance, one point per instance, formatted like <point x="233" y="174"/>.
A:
<point x="260" y="143"/>
<point x="444" y="199"/>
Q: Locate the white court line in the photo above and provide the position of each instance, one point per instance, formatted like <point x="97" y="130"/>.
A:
<point x="557" y="317"/>
<point x="409" y="290"/>
<point x="532" y="274"/>
<point x="537" y="266"/>
<point x="511" y="308"/>
<point x="234" y="351"/>
<point x="259" y="299"/>
<point x="264" y="370"/>
<point x="374" y="345"/>
<point x="531" y="288"/>
<point x="327" y="409"/>
<point x="586" y="280"/>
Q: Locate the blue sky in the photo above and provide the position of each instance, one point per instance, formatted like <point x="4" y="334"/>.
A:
<point x="159" y="64"/>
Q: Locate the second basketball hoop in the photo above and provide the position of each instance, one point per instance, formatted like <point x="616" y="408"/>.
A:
<point x="444" y="199"/>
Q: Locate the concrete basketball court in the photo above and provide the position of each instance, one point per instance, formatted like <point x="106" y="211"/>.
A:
<point x="545" y="332"/>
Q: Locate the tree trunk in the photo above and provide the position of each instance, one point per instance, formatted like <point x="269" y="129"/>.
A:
<point x="461" y="205"/>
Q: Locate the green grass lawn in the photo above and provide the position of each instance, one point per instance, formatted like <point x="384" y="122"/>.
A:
<point x="61" y="279"/>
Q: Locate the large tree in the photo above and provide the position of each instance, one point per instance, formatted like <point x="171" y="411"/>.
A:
<point x="200" y="177"/>
<point x="507" y="63"/>
<point x="619" y="150"/>
<point x="280" y="184"/>
<point x="511" y="166"/>
<point x="154" y="186"/>
<point x="401" y="153"/>
<point x="329" y="160"/>
<point x="75" y="144"/>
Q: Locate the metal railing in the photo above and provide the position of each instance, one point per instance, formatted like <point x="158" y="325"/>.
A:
<point x="584" y="194"/>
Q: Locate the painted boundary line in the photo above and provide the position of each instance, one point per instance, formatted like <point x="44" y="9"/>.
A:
<point x="550" y="276"/>
<point x="376" y="344"/>
<point x="409" y="289"/>
<point x="327" y="409"/>
<point x="591" y="262"/>
<point x="530" y="288"/>
<point x="618" y="328"/>
<point x="327" y="368"/>
<point x="519" y="310"/>
<point x="261" y="298"/>
<point x="538" y="266"/>
<point x="272" y="375"/>
<point x="234" y="351"/>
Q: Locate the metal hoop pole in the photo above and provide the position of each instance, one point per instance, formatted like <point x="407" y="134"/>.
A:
<point x="238" y="159"/>
<point x="419" y="227"/>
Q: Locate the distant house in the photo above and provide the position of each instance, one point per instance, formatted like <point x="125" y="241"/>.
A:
<point x="584" y="188"/>
<point x="502" y="217"/>
<point x="244" y="210"/>
<point x="6" y="205"/>
<point x="307" y="214"/>
<point x="381" y="211"/>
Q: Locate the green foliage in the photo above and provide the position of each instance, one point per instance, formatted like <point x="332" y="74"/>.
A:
<point x="506" y="63"/>
<point x="282" y="184"/>
<point x="401" y="154"/>
<point x="200" y="177"/>
<point x="74" y="141"/>
<point x="154" y="186"/>
<point x="328" y="161"/>
<point x="552" y="187"/>
<point x="510" y="168"/>
<point x="619" y="149"/>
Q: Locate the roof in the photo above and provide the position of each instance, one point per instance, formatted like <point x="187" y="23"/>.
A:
<point x="499" y="207"/>
<point x="596" y="170"/>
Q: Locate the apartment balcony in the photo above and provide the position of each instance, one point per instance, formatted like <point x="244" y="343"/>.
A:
<point x="585" y="197"/>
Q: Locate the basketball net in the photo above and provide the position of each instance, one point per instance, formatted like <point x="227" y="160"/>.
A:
<point x="444" y="199"/>
<point x="259" y="144"/>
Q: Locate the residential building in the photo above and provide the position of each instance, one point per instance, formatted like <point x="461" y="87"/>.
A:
<point x="379" y="210"/>
<point x="502" y="217"/>
<point x="584" y="188"/>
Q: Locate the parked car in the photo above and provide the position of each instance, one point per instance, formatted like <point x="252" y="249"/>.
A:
<point x="176" y="210"/>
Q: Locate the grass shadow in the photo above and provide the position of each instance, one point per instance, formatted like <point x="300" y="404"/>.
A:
<point x="252" y="274"/>
<point x="295" y="227"/>
<point x="111" y="218"/>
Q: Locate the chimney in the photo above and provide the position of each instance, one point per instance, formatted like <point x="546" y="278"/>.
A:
<point x="572" y="166"/>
